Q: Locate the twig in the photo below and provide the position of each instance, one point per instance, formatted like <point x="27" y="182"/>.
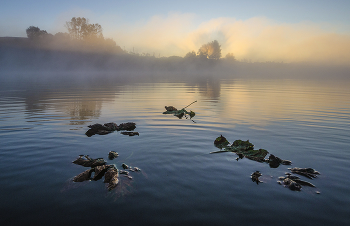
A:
<point x="190" y="104"/>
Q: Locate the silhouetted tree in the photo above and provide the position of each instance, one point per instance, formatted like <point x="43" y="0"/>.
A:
<point x="230" y="57"/>
<point x="211" y="50"/>
<point x="190" y="55"/>
<point x="80" y="29"/>
<point x="62" y="36"/>
<point x="109" y="45"/>
<point x="35" y="33"/>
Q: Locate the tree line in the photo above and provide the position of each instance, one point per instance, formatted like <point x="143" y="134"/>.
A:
<point x="80" y="30"/>
<point x="80" y="35"/>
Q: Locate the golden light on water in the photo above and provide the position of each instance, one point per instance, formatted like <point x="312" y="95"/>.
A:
<point x="255" y="102"/>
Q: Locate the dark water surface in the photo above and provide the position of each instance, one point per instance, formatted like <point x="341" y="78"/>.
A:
<point x="43" y="125"/>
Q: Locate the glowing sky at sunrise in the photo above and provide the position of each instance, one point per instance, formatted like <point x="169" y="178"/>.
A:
<point x="289" y="31"/>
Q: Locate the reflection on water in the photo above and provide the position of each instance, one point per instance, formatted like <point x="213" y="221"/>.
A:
<point x="253" y="101"/>
<point x="260" y="102"/>
<point x="43" y="130"/>
<point x="208" y="88"/>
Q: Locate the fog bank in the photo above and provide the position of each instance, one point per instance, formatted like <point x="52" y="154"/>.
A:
<point x="20" y="58"/>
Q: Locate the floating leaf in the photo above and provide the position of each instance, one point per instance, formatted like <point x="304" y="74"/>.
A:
<point x="255" y="177"/>
<point x="179" y="113"/>
<point x="112" y="155"/>
<point x="131" y="133"/>
<point x="100" y="171"/>
<point x="240" y="147"/>
<point x="89" y="162"/>
<point x="109" y="128"/>
<point x="307" y="172"/>
<point x="86" y="175"/>
<point x="221" y="142"/>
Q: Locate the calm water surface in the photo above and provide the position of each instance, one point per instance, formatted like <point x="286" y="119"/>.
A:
<point x="43" y="125"/>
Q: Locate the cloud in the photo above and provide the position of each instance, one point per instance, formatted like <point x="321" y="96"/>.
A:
<point x="257" y="39"/>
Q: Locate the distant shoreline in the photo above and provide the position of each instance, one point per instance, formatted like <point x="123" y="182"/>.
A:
<point x="22" y="55"/>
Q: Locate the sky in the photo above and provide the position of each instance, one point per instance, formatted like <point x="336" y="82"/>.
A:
<point x="316" y="31"/>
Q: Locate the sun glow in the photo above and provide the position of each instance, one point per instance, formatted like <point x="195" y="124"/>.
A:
<point x="257" y="39"/>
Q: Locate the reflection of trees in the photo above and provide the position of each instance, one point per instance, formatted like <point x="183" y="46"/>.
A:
<point x="82" y="110"/>
<point x="78" y="104"/>
<point x="32" y="101"/>
<point x="79" y="110"/>
<point x="208" y="88"/>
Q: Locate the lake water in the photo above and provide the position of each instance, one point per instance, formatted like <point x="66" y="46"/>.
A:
<point x="43" y="125"/>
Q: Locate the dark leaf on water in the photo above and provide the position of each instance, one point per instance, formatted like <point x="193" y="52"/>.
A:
<point x="100" y="171"/>
<point x="307" y="172"/>
<point x="291" y="184"/>
<point x="221" y="142"/>
<point x="111" y="177"/>
<point x="304" y="183"/>
<point x="110" y="173"/>
<point x="242" y="145"/>
<point x="109" y="128"/>
<point x="97" y="127"/>
<point x="255" y="177"/>
<point x="86" y="175"/>
<point x="170" y="108"/>
<point x="112" y="155"/>
<point x="179" y="113"/>
<point x="127" y="126"/>
<point x="131" y="133"/>
<point x="256" y="155"/>
<point x="113" y="182"/>
<point x="89" y="162"/>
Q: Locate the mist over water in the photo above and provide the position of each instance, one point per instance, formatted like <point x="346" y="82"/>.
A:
<point x="58" y="59"/>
